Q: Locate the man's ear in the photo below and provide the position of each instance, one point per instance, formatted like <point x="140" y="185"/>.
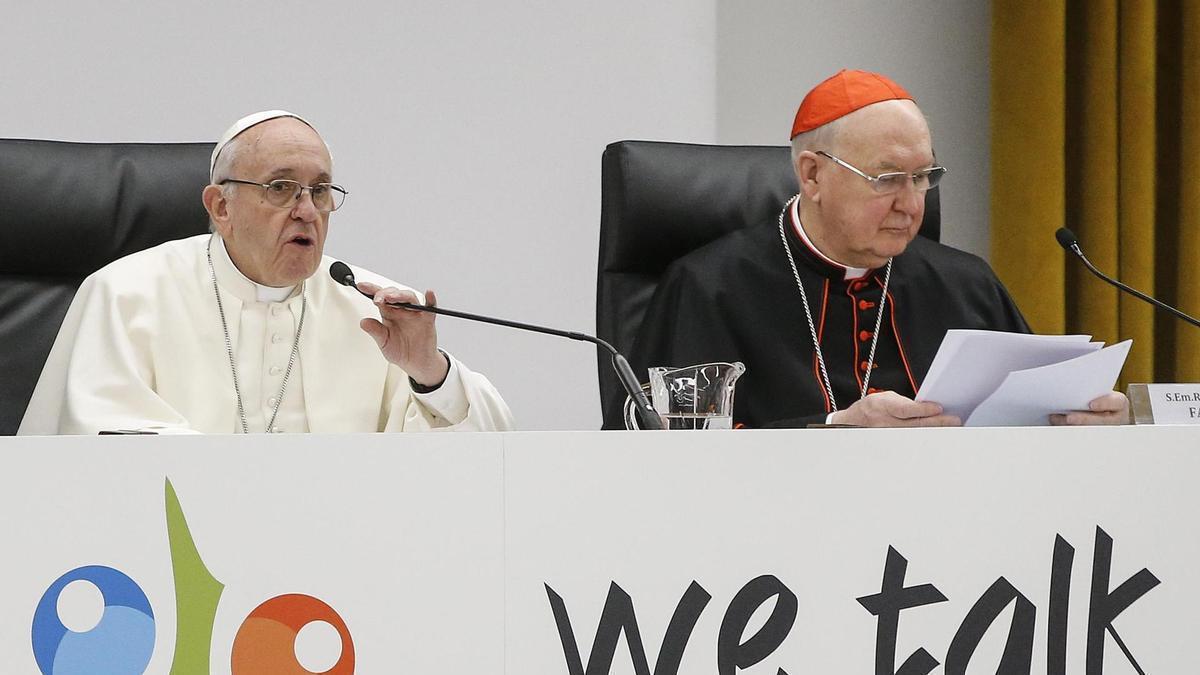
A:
<point x="806" y="175"/>
<point x="218" y="209"/>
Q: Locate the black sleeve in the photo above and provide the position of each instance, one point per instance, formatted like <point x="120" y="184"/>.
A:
<point x="1010" y="317"/>
<point x="682" y="326"/>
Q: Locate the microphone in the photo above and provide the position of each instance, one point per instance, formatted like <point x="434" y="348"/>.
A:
<point x="1068" y="241"/>
<point x="342" y="274"/>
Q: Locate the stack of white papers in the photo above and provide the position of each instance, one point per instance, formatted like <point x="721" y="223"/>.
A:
<point x="992" y="379"/>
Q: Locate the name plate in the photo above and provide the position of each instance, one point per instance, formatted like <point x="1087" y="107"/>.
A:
<point x="1165" y="403"/>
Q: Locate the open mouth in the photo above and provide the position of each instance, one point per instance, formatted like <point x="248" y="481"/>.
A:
<point x="302" y="240"/>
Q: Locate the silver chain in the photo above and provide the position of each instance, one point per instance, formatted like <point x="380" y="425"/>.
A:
<point x="237" y="390"/>
<point x="887" y="276"/>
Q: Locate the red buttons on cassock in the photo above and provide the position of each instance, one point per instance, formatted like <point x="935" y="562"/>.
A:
<point x="859" y="285"/>
<point x="864" y="304"/>
<point x="863" y="366"/>
<point x="864" y="335"/>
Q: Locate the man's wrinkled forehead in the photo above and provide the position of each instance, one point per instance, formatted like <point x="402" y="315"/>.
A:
<point x="249" y="122"/>
<point x="887" y="125"/>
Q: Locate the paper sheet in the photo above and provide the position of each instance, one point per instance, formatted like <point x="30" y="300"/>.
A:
<point x="1028" y="397"/>
<point x="971" y="364"/>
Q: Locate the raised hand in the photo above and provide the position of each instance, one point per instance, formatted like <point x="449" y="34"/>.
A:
<point x="406" y="337"/>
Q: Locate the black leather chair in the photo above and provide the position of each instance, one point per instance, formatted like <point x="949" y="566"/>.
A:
<point x="66" y="210"/>
<point x="660" y="201"/>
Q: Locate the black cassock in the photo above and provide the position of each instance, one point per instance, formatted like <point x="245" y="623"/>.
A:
<point x="736" y="299"/>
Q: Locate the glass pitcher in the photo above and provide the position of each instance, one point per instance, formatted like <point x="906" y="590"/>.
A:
<point x="692" y="397"/>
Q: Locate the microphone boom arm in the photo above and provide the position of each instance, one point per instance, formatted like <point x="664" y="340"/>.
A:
<point x="650" y="418"/>
<point x="1073" y="246"/>
<point x="620" y="364"/>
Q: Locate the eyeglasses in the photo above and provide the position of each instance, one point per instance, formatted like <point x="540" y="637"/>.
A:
<point x="889" y="183"/>
<point x="285" y="193"/>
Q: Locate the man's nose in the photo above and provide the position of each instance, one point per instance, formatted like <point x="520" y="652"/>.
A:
<point x="305" y="209"/>
<point x="909" y="199"/>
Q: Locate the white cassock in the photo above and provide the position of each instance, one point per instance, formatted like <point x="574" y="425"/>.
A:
<point x="142" y="348"/>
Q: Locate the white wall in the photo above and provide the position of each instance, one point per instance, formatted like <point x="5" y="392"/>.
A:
<point x="469" y="134"/>
<point x="770" y="52"/>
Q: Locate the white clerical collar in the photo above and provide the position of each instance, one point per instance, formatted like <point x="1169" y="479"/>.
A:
<point x="851" y="272"/>
<point x="231" y="279"/>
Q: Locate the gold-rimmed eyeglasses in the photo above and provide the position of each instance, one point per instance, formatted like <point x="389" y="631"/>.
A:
<point x="893" y="181"/>
<point x="285" y="193"/>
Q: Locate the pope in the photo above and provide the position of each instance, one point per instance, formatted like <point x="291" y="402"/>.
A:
<point x="243" y="330"/>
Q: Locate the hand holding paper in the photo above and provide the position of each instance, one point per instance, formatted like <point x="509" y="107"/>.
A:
<point x="1009" y="379"/>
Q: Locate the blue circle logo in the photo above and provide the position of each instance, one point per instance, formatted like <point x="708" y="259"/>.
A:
<point x="120" y="644"/>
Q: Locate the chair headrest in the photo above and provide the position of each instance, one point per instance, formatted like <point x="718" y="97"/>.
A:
<point x="685" y="195"/>
<point x="68" y="209"/>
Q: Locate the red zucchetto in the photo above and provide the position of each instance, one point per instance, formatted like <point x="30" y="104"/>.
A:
<point x="842" y="94"/>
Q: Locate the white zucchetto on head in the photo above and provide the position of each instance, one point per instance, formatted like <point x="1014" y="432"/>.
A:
<point x="244" y="124"/>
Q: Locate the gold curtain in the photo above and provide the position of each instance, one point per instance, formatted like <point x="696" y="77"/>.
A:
<point x="1095" y="124"/>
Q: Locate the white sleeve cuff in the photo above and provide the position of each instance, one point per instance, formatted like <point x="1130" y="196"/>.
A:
<point x="448" y="401"/>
